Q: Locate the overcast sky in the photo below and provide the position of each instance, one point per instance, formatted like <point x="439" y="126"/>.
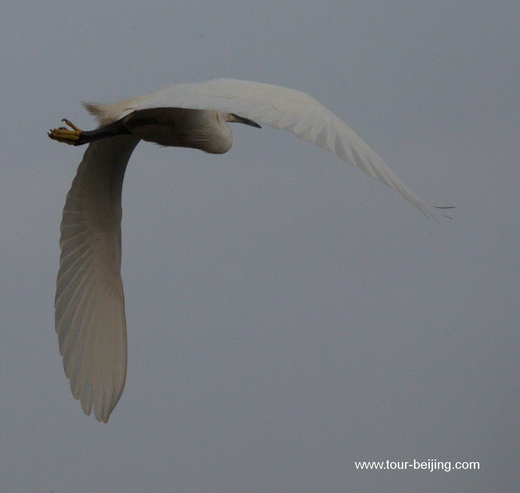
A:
<point x="287" y="314"/>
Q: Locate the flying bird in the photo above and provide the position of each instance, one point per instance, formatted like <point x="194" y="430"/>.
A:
<point x="89" y="302"/>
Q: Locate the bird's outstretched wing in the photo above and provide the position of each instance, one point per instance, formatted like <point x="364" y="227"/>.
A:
<point x="278" y="107"/>
<point x="89" y="304"/>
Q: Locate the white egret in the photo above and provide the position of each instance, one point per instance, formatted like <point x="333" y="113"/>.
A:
<point x="89" y="304"/>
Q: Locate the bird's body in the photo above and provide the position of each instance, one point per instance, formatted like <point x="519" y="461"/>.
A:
<point x="178" y="127"/>
<point x="90" y="318"/>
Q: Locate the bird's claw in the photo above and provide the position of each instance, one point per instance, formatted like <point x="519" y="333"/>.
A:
<point x="65" y="135"/>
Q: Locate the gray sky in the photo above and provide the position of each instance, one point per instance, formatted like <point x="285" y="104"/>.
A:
<point x="287" y="314"/>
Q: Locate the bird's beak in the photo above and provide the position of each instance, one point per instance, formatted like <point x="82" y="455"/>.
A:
<point x="245" y="121"/>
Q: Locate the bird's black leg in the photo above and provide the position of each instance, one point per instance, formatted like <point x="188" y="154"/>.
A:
<point x="76" y="137"/>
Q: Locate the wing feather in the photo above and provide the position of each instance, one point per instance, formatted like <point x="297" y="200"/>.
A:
<point x="276" y="106"/>
<point x="89" y="303"/>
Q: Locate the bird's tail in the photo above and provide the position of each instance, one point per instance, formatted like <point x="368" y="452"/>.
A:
<point x="108" y="113"/>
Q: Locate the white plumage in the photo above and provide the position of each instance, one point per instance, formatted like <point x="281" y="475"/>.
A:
<point x="90" y="318"/>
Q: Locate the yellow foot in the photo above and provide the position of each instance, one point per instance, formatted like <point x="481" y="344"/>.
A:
<point x="63" y="134"/>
